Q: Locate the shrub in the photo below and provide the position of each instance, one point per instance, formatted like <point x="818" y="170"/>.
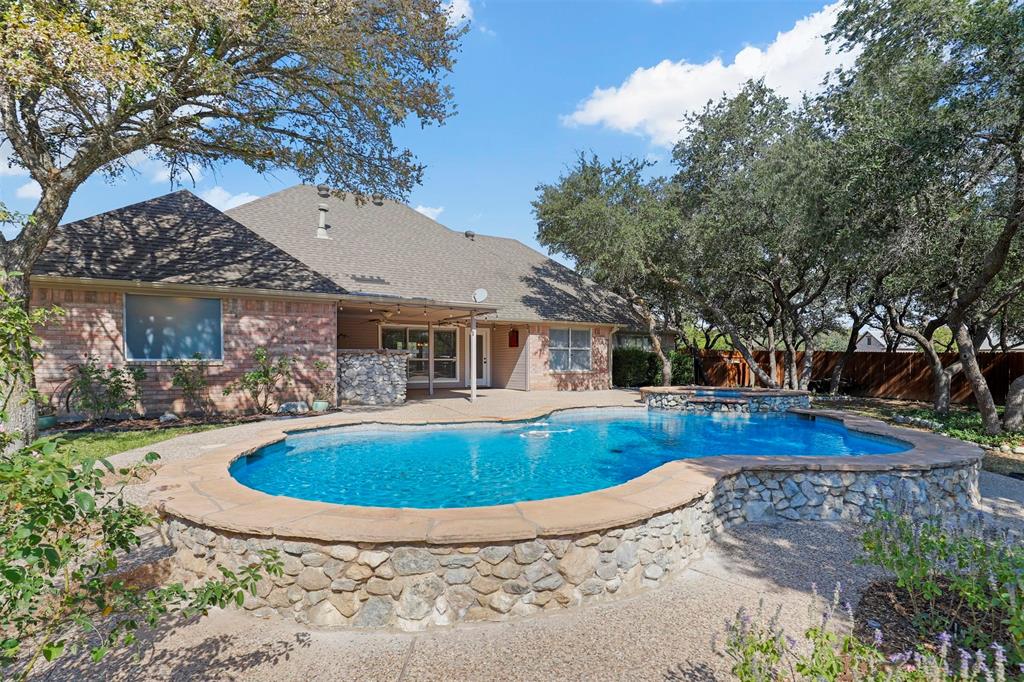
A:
<point x="323" y="388"/>
<point x="262" y="383"/>
<point x="633" y="367"/>
<point x="682" y="368"/>
<point x="190" y="377"/>
<point x="761" y="651"/>
<point x="102" y="393"/>
<point x="63" y="536"/>
<point x="965" y="581"/>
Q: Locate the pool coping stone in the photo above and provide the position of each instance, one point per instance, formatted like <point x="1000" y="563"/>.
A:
<point x="202" y="491"/>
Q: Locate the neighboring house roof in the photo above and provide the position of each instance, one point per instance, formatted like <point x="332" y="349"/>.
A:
<point x="175" y="239"/>
<point x="384" y="248"/>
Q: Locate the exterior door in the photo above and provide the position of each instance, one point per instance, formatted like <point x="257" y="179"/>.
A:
<point x="483" y="360"/>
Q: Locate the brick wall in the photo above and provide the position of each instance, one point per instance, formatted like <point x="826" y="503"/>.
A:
<point x="542" y="378"/>
<point x="92" y="325"/>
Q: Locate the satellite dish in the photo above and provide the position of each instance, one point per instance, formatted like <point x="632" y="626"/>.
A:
<point x="480" y="295"/>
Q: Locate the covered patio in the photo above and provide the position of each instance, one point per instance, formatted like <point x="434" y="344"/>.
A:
<point x="448" y="345"/>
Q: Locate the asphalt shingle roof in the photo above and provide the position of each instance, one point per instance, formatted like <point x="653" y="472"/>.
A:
<point x="388" y="249"/>
<point x="176" y="239"/>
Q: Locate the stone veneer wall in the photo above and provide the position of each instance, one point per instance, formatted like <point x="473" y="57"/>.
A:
<point x="412" y="587"/>
<point x="692" y="402"/>
<point x="372" y="377"/>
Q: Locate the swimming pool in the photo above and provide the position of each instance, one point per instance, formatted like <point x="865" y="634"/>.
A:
<point x="570" y="452"/>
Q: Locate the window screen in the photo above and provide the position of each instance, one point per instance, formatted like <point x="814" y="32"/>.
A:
<point x="172" y="327"/>
<point x="569" y="350"/>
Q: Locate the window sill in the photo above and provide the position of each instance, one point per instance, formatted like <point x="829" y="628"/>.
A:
<point x="189" y="361"/>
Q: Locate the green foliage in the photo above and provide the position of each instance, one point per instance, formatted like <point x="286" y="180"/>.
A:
<point x="262" y="383"/>
<point x="966" y="582"/>
<point x="102" y="392"/>
<point x="324" y="385"/>
<point x="63" y="535"/>
<point x="190" y="378"/>
<point x="634" y="367"/>
<point x="761" y="651"/>
<point x="964" y="424"/>
<point x="682" y="368"/>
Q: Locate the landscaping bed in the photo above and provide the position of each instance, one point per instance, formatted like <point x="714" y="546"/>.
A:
<point x="1004" y="454"/>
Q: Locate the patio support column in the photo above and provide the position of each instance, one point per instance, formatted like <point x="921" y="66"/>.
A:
<point x="430" y="357"/>
<point x="472" y="358"/>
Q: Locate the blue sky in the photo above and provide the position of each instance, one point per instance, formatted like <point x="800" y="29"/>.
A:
<point x="535" y="83"/>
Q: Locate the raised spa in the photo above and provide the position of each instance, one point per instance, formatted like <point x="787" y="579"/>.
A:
<point x="566" y="453"/>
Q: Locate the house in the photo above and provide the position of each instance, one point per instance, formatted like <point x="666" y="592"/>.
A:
<point x="373" y="287"/>
<point x="870" y="341"/>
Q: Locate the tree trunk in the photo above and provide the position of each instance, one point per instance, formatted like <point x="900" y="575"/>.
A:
<point x="738" y="343"/>
<point x="837" y="371"/>
<point x="982" y="394"/>
<point x="21" y="406"/>
<point x="773" y="362"/>
<point x="1013" y="417"/>
<point x="640" y="305"/>
<point x="20" y="255"/>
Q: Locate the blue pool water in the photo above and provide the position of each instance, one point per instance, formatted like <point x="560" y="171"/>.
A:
<point x="563" y="454"/>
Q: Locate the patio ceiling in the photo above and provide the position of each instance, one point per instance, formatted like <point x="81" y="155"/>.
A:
<point x="411" y="311"/>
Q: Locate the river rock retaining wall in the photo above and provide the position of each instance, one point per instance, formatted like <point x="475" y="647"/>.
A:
<point x="712" y="400"/>
<point x="413" y="587"/>
<point x="372" y="377"/>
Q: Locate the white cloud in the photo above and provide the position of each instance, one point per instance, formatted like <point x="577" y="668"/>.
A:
<point x="5" y="155"/>
<point x="653" y="100"/>
<point x="224" y="200"/>
<point x="30" y="190"/>
<point x="160" y="172"/>
<point x="430" y="212"/>
<point x="459" y="11"/>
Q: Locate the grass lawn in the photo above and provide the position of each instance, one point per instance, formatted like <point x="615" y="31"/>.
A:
<point x="97" y="444"/>
<point x="962" y="422"/>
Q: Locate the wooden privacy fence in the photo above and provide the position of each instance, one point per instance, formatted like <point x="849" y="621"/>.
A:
<point x="879" y="375"/>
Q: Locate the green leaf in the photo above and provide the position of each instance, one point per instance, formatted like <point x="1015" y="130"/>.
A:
<point x="52" y="650"/>
<point x="85" y="501"/>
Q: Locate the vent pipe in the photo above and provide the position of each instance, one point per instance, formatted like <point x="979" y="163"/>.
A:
<point x="321" y="229"/>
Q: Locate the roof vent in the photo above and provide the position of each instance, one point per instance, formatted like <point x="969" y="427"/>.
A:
<point x="321" y="229"/>
<point x="470" y="235"/>
<point x="323" y="191"/>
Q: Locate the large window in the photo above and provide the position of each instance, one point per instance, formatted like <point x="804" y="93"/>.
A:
<point x="172" y="328"/>
<point x="416" y="339"/>
<point x="569" y="350"/>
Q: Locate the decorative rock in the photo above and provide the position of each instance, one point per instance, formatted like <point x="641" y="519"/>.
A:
<point x="342" y="552"/>
<point x="495" y="555"/>
<point x="294" y="407"/>
<point x="516" y="587"/>
<point x="502" y="602"/>
<point x="558" y="547"/>
<point x="372" y="559"/>
<point x="578" y="564"/>
<point x="325" y="615"/>
<point x="344" y="585"/>
<point x="313" y="559"/>
<point x="376" y="612"/>
<point x="759" y="512"/>
<point x="458" y="576"/>
<point x="654" y="572"/>
<point x="591" y="586"/>
<point x="168" y="417"/>
<point x="588" y="540"/>
<point x="412" y="561"/>
<point x="358" y="572"/>
<point x="625" y="555"/>
<point x="528" y="552"/>
<point x="508" y="569"/>
<point x="460" y="561"/>
<point x="379" y="586"/>
<point x="347" y="603"/>
<point x="418" y="598"/>
<point x="484" y="585"/>
<point x="313" y="579"/>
